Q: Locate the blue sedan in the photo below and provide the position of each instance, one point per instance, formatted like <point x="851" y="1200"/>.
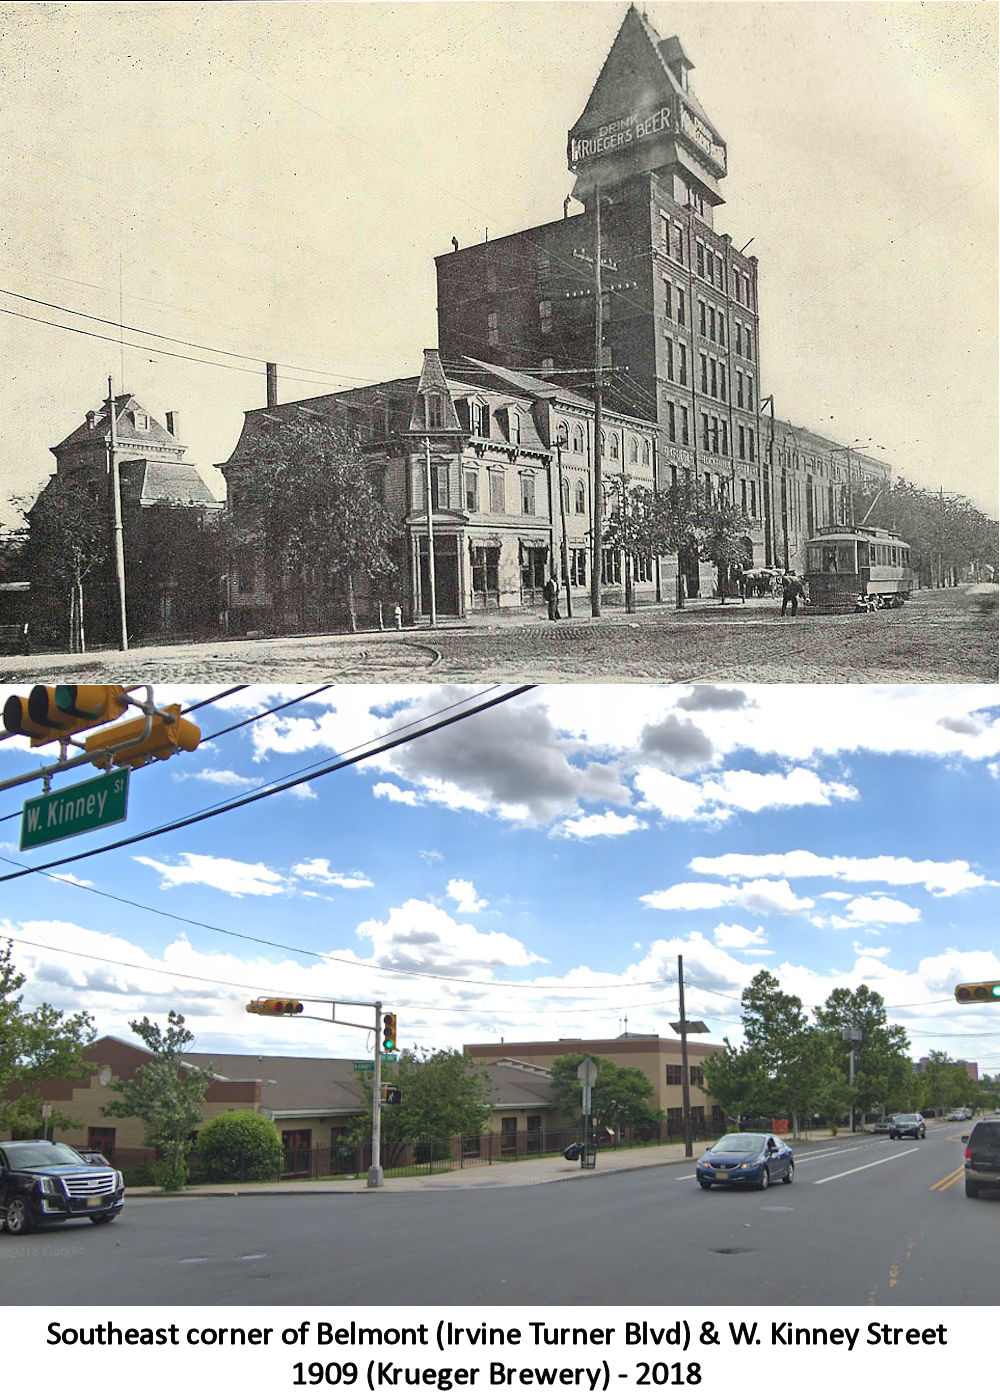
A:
<point x="746" y="1159"/>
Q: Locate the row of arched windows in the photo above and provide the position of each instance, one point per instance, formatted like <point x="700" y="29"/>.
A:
<point x="575" y="441"/>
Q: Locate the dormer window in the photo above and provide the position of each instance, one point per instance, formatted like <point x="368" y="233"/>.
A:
<point x="514" y="425"/>
<point x="141" y="421"/>
<point x="435" y="410"/>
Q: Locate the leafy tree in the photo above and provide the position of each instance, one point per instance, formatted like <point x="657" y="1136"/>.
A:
<point x="721" y="528"/>
<point x="167" y="1095"/>
<point x="882" y="1059"/>
<point x="655" y="524"/>
<point x="240" y="1144"/>
<point x="36" y="1047"/>
<point x="619" y="1098"/>
<point x="69" y="542"/>
<point x="311" y="500"/>
<point x="735" y="1078"/>
<point x="946" y="1084"/>
<point x="443" y="1093"/>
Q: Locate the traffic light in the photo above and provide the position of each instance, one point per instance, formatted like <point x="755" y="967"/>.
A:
<point x="56" y="713"/>
<point x="164" y="740"/>
<point x="389" y="1033"/>
<point x="978" y="992"/>
<point x="276" y="1007"/>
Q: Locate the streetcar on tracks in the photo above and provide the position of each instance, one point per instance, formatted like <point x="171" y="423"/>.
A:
<point x="855" y="568"/>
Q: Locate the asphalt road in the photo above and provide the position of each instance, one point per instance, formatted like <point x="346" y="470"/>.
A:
<point x="939" y="637"/>
<point x="868" y="1221"/>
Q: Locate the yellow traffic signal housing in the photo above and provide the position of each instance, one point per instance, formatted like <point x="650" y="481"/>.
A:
<point x="988" y="992"/>
<point x="55" y="713"/>
<point x="276" y="1007"/>
<point x="164" y="740"/>
<point x="389" y="1033"/>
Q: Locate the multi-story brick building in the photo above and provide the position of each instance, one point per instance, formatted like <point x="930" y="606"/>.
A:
<point x="509" y="461"/>
<point x="681" y="327"/>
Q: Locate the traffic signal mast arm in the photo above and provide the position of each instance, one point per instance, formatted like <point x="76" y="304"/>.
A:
<point x="56" y="714"/>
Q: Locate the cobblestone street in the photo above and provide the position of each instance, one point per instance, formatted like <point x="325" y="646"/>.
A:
<point x="939" y="637"/>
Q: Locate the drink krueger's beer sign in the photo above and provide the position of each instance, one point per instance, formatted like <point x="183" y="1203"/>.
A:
<point x="619" y="134"/>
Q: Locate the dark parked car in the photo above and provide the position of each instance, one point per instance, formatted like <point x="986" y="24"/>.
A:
<point x="982" y="1156"/>
<point x="44" y="1183"/>
<point x="908" y="1126"/>
<point x="746" y="1159"/>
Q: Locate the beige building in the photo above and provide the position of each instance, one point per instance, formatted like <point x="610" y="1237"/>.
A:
<point x="657" y="1057"/>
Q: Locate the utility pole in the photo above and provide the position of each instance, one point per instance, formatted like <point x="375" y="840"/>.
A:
<point x="116" y="507"/>
<point x="376" y="1177"/>
<point x="685" y="1074"/>
<point x="560" y="442"/>
<point x="430" y="531"/>
<point x="595" y="569"/>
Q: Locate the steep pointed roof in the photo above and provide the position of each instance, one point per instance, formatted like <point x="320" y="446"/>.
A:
<point x="644" y="74"/>
<point x="433" y="380"/>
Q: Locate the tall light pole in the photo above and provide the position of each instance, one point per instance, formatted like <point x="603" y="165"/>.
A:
<point x="683" y="1027"/>
<point x="560" y="442"/>
<point x="114" y="475"/>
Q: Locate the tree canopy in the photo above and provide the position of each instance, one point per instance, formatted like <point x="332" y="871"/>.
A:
<point x="167" y="1094"/>
<point x="36" y="1046"/>
<point x="620" y="1098"/>
<point x="444" y="1093"/>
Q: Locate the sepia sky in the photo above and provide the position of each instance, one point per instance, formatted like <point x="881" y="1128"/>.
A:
<point x="273" y="180"/>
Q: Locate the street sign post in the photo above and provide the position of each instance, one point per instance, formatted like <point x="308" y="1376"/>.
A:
<point x="78" y="809"/>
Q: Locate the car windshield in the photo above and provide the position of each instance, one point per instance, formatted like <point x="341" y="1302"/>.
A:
<point x="738" y="1143"/>
<point x="39" y="1154"/>
<point x="907" y="1118"/>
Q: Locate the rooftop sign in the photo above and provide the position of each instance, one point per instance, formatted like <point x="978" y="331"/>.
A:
<point x="620" y="134"/>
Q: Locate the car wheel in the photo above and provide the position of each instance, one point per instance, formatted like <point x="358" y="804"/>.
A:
<point x="790" y="1174"/>
<point x="705" y="1183"/>
<point x="18" y="1218"/>
<point x="971" y="1188"/>
<point x="765" y="1180"/>
<point x="100" y="1220"/>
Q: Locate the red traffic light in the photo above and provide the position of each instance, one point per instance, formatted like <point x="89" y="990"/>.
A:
<point x="276" y="1007"/>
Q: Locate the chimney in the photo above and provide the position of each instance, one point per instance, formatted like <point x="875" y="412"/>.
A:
<point x="173" y="423"/>
<point x="91" y="418"/>
<point x="272" y="385"/>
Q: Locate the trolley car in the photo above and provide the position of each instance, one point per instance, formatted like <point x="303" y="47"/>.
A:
<point x="857" y="569"/>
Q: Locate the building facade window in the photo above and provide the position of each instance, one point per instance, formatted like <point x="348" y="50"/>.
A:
<point x="685" y="432"/>
<point x="581" y="497"/>
<point x="675" y="1075"/>
<point x="497" y="502"/>
<point x="577" y="440"/>
<point x="611" y="567"/>
<point x="472" y="491"/>
<point x="492" y="328"/>
<point x="545" y="316"/>
<point x="681" y="307"/>
<point x="528" y="494"/>
<point x="514" y="426"/>
<point x="671" y="421"/>
<point x="578" y="566"/>
<point x="435" y="410"/>
<point x="668" y="299"/>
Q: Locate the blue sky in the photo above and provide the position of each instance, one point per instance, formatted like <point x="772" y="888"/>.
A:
<point x="535" y="870"/>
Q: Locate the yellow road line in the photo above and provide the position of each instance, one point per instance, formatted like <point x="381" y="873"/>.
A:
<point x="948" y="1181"/>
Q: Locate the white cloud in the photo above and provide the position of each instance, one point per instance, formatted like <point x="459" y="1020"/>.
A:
<point x="752" y="792"/>
<point x="317" y="869"/>
<point x="227" y="778"/>
<point x="875" y="910"/>
<point x="221" y="873"/>
<point x="762" y="897"/>
<point x="871" y="951"/>
<point x="939" y="878"/>
<point x="464" y="895"/>
<point x="422" y="937"/>
<point x="669" y="795"/>
<point x="607" y="825"/>
<point x="736" y="937"/>
<point x="385" y="790"/>
<point x="302" y="792"/>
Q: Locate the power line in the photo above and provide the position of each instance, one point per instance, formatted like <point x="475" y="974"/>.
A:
<point x="380" y="749"/>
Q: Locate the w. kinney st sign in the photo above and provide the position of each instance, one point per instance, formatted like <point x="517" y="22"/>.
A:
<point x="79" y="809"/>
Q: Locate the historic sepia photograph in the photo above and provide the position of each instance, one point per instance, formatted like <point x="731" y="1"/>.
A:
<point x="573" y="342"/>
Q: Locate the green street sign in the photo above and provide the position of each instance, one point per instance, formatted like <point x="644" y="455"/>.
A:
<point x="364" y="1065"/>
<point x="79" y="809"/>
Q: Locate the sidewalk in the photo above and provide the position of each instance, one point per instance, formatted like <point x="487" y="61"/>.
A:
<point x="525" y="1172"/>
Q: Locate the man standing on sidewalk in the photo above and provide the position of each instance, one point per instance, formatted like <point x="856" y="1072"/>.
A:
<point x="551" y="593"/>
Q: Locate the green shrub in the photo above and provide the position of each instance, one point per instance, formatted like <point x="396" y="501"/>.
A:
<point x="239" y="1146"/>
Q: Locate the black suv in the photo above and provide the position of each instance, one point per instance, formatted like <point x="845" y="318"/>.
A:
<point x="907" y="1126"/>
<point x="982" y="1156"/>
<point x="43" y="1183"/>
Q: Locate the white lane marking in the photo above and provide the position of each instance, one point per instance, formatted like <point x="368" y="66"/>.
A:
<point x="864" y="1167"/>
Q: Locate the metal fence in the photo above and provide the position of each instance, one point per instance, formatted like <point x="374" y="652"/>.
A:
<point x="421" y="1157"/>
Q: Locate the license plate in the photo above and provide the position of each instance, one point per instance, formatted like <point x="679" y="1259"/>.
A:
<point x="722" y="1176"/>
<point x="94" y="1200"/>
